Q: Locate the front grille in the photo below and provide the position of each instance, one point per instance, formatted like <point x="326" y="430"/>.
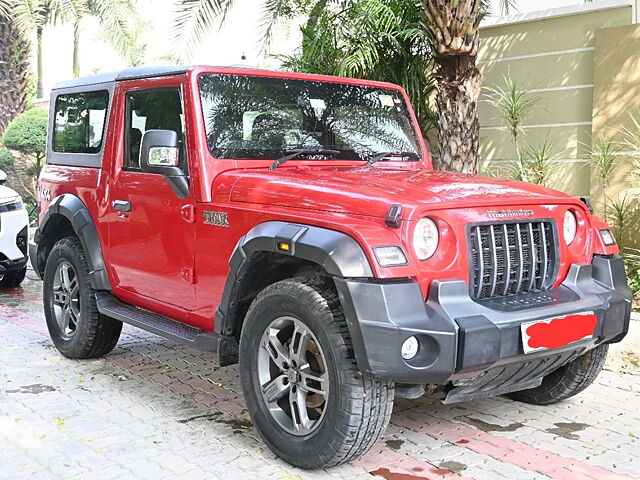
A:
<point x="512" y="258"/>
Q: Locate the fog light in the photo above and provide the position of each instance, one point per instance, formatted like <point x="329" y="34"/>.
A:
<point x="409" y="348"/>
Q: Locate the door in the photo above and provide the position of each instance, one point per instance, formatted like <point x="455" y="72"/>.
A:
<point x="151" y="244"/>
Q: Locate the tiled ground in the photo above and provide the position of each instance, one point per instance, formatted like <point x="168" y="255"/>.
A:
<point x="153" y="409"/>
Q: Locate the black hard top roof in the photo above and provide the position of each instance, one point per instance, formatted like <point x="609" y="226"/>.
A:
<point x="125" y="74"/>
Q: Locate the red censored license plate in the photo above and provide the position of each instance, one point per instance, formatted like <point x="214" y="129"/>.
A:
<point x="557" y="332"/>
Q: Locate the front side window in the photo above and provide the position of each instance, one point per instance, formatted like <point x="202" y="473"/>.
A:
<point x="153" y="109"/>
<point x="264" y="118"/>
<point x="79" y="122"/>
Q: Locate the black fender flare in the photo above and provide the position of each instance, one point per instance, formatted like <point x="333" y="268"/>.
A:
<point x="337" y="253"/>
<point x="74" y="210"/>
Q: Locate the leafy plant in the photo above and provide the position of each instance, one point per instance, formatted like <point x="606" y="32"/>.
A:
<point x="6" y="159"/>
<point x="514" y="105"/>
<point x="624" y="219"/>
<point x="27" y="134"/>
<point x="604" y="165"/>
<point x="535" y="163"/>
<point x="369" y="39"/>
<point x="631" y="142"/>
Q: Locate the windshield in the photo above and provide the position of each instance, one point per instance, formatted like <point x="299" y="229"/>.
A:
<point x="263" y="118"/>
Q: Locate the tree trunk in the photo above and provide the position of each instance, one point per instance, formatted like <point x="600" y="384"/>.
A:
<point x="76" y="49"/>
<point x="458" y="82"/>
<point x="14" y="73"/>
<point x="39" y="68"/>
<point x="453" y="27"/>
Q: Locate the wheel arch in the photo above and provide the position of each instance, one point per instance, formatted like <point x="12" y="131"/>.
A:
<point x="67" y="215"/>
<point x="257" y="261"/>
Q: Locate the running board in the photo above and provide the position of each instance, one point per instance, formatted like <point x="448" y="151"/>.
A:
<point x="225" y="346"/>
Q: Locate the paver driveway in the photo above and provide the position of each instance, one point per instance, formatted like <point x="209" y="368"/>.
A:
<point x="154" y="409"/>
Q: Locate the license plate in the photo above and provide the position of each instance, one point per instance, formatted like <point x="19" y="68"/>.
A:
<point x="558" y="331"/>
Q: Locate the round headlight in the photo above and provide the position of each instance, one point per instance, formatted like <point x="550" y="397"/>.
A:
<point x="570" y="227"/>
<point x="425" y="238"/>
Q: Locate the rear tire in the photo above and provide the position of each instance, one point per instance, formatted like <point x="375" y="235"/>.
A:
<point x="76" y="327"/>
<point x="13" y="279"/>
<point x="568" y="380"/>
<point x="354" y="411"/>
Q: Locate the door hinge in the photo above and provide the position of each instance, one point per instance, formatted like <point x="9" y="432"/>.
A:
<point x="189" y="274"/>
<point x="189" y="213"/>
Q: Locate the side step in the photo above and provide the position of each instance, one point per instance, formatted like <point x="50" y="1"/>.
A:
<point x="225" y="346"/>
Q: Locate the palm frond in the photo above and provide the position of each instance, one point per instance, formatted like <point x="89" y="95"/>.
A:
<point x="117" y="18"/>
<point x="271" y="11"/>
<point x="193" y="20"/>
<point x="505" y="7"/>
<point x="28" y="15"/>
<point x="5" y="8"/>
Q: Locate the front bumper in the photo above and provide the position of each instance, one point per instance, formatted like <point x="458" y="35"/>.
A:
<point x="14" y="235"/>
<point x="477" y="345"/>
<point x="12" y="265"/>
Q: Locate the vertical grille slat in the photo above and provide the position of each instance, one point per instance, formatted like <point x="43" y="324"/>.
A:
<point x="480" y="275"/>
<point x="545" y="257"/>
<point x="507" y="258"/>
<point x="494" y="257"/>
<point x="520" y="253"/>
<point x="512" y="258"/>
<point x="532" y="258"/>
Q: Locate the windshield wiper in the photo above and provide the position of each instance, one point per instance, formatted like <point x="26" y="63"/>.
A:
<point x="291" y="154"/>
<point x="376" y="157"/>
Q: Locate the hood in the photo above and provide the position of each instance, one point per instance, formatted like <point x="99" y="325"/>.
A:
<point x="371" y="191"/>
<point x="7" y="193"/>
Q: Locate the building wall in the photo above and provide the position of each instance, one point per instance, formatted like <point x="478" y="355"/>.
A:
<point x="616" y="101"/>
<point x="551" y="55"/>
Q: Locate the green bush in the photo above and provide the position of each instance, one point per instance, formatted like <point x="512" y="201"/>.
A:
<point x="6" y="159"/>
<point x="27" y="134"/>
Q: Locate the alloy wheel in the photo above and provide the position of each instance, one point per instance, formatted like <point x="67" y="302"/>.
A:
<point x="66" y="299"/>
<point x="293" y="376"/>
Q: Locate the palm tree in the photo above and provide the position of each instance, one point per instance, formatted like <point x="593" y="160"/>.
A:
<point x="453" y="29"/>
<point x="373" y="40"/>
<point x="121" y="24"/>
<point x="14" y="69"/>
<point x="116" y="16"/>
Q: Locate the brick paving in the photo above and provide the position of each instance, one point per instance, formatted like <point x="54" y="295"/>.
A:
<point x="154" y="409"/>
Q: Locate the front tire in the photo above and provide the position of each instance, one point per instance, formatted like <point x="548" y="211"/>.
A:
<point x="568" y="380"/>
<point x="304" y="392"/>
<point x="76" y="327"/>
<point x="13" y="279"/>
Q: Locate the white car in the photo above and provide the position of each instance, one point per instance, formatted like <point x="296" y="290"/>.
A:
<point x="14" y="236"/>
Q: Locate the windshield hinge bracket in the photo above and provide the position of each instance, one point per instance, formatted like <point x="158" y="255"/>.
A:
<point x="393" y="218"/>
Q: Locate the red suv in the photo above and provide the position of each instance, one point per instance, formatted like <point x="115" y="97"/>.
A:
<point x="294" y="223"/>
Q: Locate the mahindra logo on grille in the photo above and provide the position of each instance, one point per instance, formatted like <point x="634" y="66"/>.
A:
<point x="509" y="213"/>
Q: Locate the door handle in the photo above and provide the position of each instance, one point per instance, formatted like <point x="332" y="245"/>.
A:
<point x="121" y="205"/>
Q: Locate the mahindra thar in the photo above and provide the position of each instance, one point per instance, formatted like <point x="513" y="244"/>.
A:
<point x="294" y="224"/>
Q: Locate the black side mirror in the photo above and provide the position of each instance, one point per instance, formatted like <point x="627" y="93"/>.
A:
<point x="3" y="178"/>
<point x="160" y="153"/>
